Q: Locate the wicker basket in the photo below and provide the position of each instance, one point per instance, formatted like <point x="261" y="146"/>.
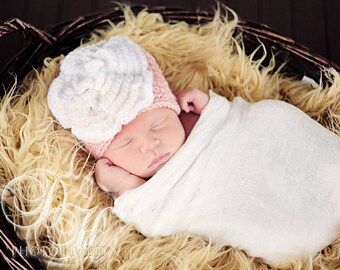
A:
<point x="64" y="37"/>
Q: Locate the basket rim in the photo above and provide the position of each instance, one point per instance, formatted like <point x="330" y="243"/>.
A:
<point x="42" y="42"/>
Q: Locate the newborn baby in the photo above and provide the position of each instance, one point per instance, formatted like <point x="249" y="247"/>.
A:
<point x="126" y="114"/>
<point x="147" y="143"/>
<point x="263" y="177"/>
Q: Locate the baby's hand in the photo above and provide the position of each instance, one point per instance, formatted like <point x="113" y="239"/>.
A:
<point x="111" y="178"/>
<point x="192" y="100"/>
<point x="108" y="176"/>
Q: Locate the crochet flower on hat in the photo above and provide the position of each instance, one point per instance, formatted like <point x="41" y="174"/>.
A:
<point x="101" y="87"/>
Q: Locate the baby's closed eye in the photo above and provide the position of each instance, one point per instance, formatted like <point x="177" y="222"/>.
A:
<point x="159" y="123"/>
<point x="123" y="143"/>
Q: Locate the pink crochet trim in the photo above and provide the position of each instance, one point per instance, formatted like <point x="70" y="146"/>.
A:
<point x="163" y="96"/>
<point x="97" y="150"/>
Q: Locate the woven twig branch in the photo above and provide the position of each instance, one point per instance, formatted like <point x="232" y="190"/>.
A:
<point x="29" y="32"/>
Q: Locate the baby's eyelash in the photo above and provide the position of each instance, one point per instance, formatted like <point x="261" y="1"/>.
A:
<point x="124" y="144"/>
<point x="157" y="124"/>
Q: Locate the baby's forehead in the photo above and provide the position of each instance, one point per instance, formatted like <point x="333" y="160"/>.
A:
<point x="152" y="114"/>
<point x="143" y="121"/>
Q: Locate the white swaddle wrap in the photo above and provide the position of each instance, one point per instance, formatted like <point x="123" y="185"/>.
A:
<point x="262" y="177"/>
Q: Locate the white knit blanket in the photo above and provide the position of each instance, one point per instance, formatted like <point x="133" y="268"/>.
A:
<point x="262" y="177"/>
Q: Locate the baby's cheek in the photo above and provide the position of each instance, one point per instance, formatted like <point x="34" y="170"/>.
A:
<point x="129" y="160"/>
<point x="114" y="156"/>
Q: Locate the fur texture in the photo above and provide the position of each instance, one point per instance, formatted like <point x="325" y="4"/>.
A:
<point x="47" y="176"/>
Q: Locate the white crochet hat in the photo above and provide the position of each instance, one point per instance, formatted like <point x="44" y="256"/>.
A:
<point x="104" y="86"/>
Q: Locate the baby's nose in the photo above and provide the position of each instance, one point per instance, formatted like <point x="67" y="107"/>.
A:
<point x="149" y="145"/>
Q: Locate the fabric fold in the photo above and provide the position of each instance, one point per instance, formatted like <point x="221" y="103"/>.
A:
<point x="263" y="177"/>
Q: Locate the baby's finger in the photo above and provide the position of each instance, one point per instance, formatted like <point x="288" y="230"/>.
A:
<point x="184" y="102"/>
<point x="190" y="107"/>
<point x="185" y="105"/>
<point x="104" y="162"/>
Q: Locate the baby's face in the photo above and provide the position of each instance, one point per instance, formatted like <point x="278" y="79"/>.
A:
<point x="144" y="145"/>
